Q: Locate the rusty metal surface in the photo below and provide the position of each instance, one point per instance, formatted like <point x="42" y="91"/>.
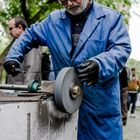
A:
<point x="36" y="121"/>
<point x="47" y="87"/>
<point x="19" y="97"/>
<point x="35" y="116"/>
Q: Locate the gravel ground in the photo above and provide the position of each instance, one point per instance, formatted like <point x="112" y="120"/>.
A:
<point x="132" y="128"/>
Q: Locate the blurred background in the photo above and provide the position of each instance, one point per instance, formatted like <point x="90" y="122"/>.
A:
<point x="36" y="10"/>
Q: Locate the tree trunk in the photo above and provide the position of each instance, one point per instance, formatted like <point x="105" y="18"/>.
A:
<point x="2" y="59"/>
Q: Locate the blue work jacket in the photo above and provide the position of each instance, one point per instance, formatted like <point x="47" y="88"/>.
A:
<point x="105" y="40"/>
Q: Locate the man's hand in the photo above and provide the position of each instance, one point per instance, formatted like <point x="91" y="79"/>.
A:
<point x="11" y="67"/>
<point x="89" y="72"/>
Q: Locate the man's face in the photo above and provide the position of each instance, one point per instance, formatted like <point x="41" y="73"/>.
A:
<point x="133" y="72"/>
<point x="14" y="31"/>
<point x="75" y="7"/>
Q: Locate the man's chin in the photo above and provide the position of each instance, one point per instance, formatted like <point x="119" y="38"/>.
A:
<point x="75" y="12"/>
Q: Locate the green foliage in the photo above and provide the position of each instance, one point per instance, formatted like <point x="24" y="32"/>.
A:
<point x="3" y="43"/>
<point x="122" y="6"/>
<point x="36" y="10"/>
<point x="31" y="10"/>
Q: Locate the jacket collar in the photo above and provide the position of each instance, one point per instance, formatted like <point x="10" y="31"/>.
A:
<point x="92" y="21"/>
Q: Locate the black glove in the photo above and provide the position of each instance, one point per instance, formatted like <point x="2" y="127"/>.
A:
<point x="89" y="72"/>
<point x="12" y="67"/>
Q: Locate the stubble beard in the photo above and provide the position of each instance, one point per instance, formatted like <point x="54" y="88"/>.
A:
<point x="80" y="8"/>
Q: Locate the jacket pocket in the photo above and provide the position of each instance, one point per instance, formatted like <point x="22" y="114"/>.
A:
<point x="94" y="47"/>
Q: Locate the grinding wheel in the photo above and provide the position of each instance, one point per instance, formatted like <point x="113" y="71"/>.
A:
<point x="68" y="90"/>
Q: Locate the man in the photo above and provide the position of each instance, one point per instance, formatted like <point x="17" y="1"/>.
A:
<point x="124" y="94"/>
<point x="94" y="40"/>
<point x="133" y="88"/>
<point x="32" y="61"/>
